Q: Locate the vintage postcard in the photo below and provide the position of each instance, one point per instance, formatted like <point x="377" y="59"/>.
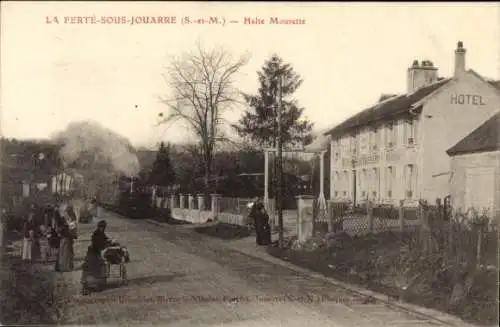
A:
<point x="249" y="163"/>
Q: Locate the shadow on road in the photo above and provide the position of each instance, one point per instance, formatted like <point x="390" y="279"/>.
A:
<point x="81" y="261"/>
<point x="150" y="280"/>
<point x="113" y="283"/>
<point x="225" y="231"/>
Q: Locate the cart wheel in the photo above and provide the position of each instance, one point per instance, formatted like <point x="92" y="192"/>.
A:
<point x="102" y="284"/>
<point x="123" y="275"/>
<point x="85" y="289"/>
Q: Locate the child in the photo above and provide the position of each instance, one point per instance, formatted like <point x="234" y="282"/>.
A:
<point x="53" y="238"/>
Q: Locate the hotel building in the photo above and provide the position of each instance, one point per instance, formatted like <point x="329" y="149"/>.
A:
<point x="396" y="149"/>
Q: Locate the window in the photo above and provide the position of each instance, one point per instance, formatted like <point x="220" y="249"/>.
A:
<point x="359" y="180"/>
<point x="345" y="145"/>
<point x="389" y="181"/>
<point x="345" y="182"/>
<point x="375" y="183"/>
<point x="337" y="149"/>
<point x="353" y="144"/>
<point x="409" y="181"/>
<point x="375" y="139"/>
<point x="390" y="135"/>
<point x="394" y="135"/>
<point x="409" y="132"/>
<point x="363" y="182"/>
<point x="338" y="184"/>
<point x="364" y="141"/>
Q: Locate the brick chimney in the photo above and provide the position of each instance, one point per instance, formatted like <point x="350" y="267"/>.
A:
<point x="459" y="59"/>
<point x="420" y="75"/>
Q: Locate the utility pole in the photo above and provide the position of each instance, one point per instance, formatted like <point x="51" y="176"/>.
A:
<point x="279" y="199"/>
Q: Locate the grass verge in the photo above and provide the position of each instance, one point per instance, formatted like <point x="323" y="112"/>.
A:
<point x="369" y="262"/>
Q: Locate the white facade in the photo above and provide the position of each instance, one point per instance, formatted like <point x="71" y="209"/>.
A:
<point x="377" y="163"/>
<point x="476" y="182"/>
<point x="403" y="156"/>
<point x="445" y="122"/>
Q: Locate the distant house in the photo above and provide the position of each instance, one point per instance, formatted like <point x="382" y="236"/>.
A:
<point x="475" y="166"/>
<point x="65" y="182"/>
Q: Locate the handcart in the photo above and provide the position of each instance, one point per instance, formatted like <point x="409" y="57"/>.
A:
<point x="115" y="263"/>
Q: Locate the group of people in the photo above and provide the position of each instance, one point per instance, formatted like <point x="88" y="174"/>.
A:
<point x="54" y="230"/>
<point x="47" y="231"/>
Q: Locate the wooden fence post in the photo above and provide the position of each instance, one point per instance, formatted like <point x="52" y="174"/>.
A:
<point x="423" y="227"/>
<point x="438" y="224"/>
<point x="2" y="228"/>
<point x="330" y="217"/>
<point x="401" y="213"/>
<point x="480" y="234"/>
<point x="439" y="208"/>
<point x="369" y="211"/>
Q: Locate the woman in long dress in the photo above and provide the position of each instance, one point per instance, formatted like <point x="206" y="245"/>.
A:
<point x="65" y="256"/>
<point x="31" y="246"/>
<point x="94" y="268"/>
<point x="261" y="221"/>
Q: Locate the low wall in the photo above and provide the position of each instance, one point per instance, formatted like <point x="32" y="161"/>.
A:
<point x="196" y="216"/>
<point x="232" y="219"/>
<point x="193" y="216"/>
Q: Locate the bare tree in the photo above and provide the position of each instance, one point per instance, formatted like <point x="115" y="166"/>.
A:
<point x="202" y="84"/>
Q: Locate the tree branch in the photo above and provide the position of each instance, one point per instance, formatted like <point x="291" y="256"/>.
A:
<point x="202" y="87"/>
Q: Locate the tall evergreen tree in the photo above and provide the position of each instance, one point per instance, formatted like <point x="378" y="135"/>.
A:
<point x="162" y="172"/>
<point x="259" y="122"/>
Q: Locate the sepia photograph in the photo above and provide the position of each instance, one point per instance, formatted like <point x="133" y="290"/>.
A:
<point x="196" y="163"/>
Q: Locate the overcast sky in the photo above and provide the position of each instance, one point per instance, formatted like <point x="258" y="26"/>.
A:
<point x="348" y="54"/>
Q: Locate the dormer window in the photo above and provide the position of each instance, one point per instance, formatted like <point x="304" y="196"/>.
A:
<point x="374" y="139"/>
<point x="409" y="132"/>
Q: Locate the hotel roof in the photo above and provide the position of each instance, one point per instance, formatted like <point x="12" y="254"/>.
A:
<point x="386" y="109"/>
<point x="390" y="107"/>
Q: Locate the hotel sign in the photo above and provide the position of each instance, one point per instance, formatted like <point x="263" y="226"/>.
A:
<point x="472" y="99"/>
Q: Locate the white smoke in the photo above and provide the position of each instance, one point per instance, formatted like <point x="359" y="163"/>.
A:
<point x="88" y="145"/>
